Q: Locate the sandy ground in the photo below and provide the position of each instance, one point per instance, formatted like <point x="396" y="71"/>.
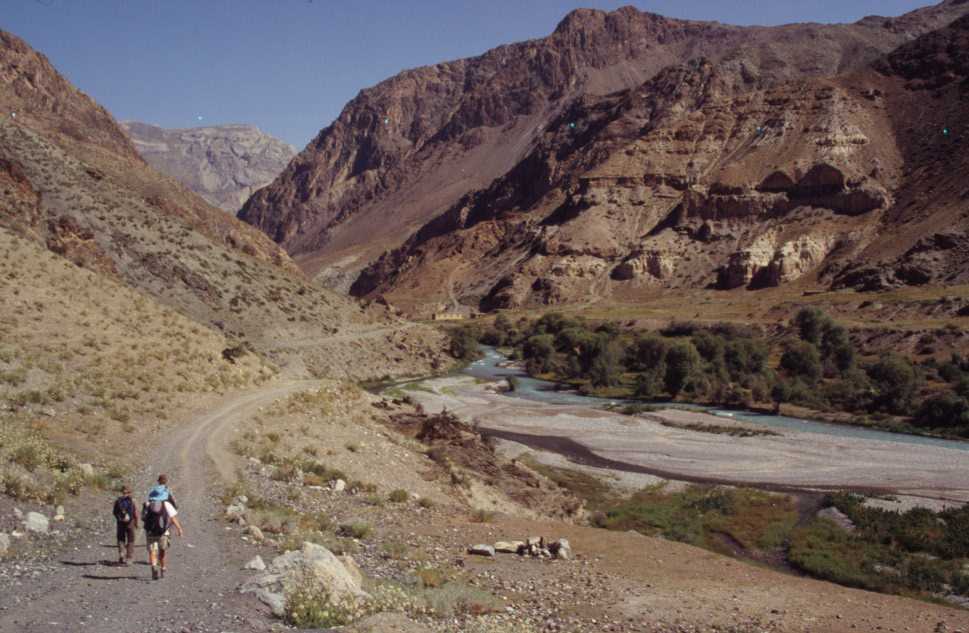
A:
<point x="792" y="459"/>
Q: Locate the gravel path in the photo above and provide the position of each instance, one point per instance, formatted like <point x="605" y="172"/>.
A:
<point x="83" y="590"/>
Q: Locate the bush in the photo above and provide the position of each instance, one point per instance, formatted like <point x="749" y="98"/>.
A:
<point x="682" y="363"/>
<point x="802" y="360"/>
<point x="943" y="412"/>
<point x="398" y="496"/>
<point x="896" y="383"/>
<point x="464" y="344"/>
<point x="357" y="530"/>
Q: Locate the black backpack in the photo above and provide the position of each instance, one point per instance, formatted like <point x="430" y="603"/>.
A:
<point x="155" y="518"/>
<point x="124" y="509"/>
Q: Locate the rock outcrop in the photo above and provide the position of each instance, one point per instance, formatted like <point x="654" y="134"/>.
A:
<point x="224" y="164"/>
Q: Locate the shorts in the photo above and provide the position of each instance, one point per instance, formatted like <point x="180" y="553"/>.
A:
<point x="163" y="542"/>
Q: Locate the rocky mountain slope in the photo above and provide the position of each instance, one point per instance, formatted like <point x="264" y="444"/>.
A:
<point x="73" y="182"/>
<point x="224" y="164"/>
<point x="408" y="149"/>
<point x="689" y="181"/>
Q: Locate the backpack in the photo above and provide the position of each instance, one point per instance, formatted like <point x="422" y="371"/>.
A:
<point x="155" y="518"/>
<point x="124" y="509"/>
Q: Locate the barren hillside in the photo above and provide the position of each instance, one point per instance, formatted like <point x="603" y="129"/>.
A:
<point x="73" y="182"/>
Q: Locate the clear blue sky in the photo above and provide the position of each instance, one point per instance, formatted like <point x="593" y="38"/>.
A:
<point x="289" y="66"/>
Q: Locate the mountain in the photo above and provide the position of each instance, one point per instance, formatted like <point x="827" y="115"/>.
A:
<point x="689" y="181"/>
<point x="71" y="181"/>
<point x="407" y="150"/>
<point x="224" y="164"/>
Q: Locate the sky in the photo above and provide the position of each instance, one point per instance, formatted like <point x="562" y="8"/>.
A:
<point x="289" y="66"/>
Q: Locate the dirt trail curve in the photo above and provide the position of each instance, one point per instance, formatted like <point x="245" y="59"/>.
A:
<point x="89" y="593"/>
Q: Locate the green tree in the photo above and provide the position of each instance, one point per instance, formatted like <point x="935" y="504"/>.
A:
<point x="464" y="344"/>
<point x="780" y="393"/>
<point x="810" y="323"/>
<point x="896" y="383"/>
<point x="837" y="348"/>
<point x="946" y="411"/>
<point x="539" y="352"/>
<point x="682" y="364"/>
<point x="648" y="353"/>
<point x="801" y="359"/>
<point x="606" y="367"/>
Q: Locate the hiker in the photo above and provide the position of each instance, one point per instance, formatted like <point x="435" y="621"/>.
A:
<point x="158" y="516"/>
<point x="162" y="491"/>
<point x="126" y="517"/>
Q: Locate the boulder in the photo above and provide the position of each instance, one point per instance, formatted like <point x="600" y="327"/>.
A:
<point x="256" y="564"/>
<point x="86" y="469"/>
<point x="4" y="543"/>
<point x="482" y="550"/>
<point x="561" y="549"/>
<point x="255" y="533"/>
<point x="508" y="547"/>
<point x="338" y="486"/>
<point x="37" y="523"/>
<point x="352" y="568"/>
<point x="235" y="512"/>
<point x="59" y="514"/>
<point x="313" y="563"/>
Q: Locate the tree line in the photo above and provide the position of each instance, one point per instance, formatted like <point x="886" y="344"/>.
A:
<point x="814" y="364"/>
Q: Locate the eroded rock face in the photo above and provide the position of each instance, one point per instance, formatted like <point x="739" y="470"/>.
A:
<point x="224" y="164"/>
<point x="429" y="140"/>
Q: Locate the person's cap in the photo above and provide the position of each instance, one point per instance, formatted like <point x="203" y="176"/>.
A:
<point x="126" y="490"/>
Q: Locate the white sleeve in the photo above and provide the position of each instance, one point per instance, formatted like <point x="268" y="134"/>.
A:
<point x="170" y="509"/>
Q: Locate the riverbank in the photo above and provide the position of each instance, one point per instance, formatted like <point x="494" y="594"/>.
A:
<point x="790" y="460"/>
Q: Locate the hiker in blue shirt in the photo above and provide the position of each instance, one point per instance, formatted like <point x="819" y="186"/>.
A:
<point x="158" y="515"/>
<point x="162" y="492"/>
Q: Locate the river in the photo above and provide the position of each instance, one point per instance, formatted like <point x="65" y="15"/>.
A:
<point x="533" y="389"/>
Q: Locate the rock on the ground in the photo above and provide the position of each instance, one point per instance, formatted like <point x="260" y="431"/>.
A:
<point x="59" y="514"/>
<point x="256" y="564"/>
<point x="37" y="523"/>
<point x="235" y="512"/>
<point x="352" y="568"/>
<point x="4" y="543"/>
<point x="508" y="547"/>
<point x="561" y="549"/>
<point x="86" y="469"/>
<point x="482" y="550"/>
<point x="255" y="533"/>
<point x="338" y="486"/>
<point x="313" y="563"/>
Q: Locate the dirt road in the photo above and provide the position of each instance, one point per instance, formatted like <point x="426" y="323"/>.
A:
<point x="88" y="592"/>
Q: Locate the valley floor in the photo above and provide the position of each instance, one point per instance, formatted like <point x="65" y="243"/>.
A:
<point x="617" y="582"/>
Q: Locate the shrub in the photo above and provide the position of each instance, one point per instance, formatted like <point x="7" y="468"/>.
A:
<point x="943" y="412"/>
<point x="357" y="530"/>
<point x="896" y="383"/>
<point x="802" y="360"/>
<point x="398" y="496"/>
<point x="682" y="362"/>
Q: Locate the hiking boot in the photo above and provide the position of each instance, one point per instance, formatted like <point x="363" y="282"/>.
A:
<point x="155" y="573"/>
<point x="162" y="572"/>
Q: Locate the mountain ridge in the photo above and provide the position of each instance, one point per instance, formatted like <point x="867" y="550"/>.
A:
<point x="225" y="164"/>
<point x="412" y="145"/>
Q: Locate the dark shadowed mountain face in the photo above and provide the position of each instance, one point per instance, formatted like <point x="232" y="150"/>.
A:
<point x="407" y="150"/>
<point x="224" y="164"/>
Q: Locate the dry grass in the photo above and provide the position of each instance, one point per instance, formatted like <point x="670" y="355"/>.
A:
<point x="92" y="360"/>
